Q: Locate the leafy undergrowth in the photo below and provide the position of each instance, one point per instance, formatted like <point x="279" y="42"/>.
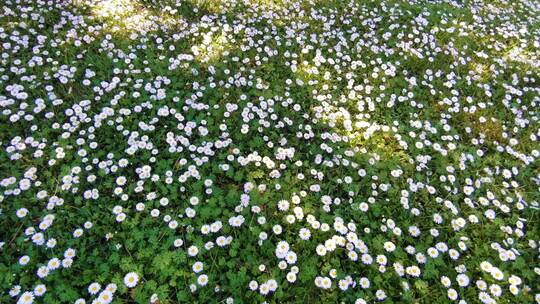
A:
<point x="259" y="151"/>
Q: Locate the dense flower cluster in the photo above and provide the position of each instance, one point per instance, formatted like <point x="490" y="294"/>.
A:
<point x="161" y="151"/>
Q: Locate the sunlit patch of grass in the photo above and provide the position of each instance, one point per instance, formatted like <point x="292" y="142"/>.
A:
<point x="194" y="9"/>
<point x="127" y="16"/>
<point x="481" y="72"/>
<point x="212" y="47"/>
<point x="520" y="55"/>
<point x="482" y="124"/>
<point x="209" y="6"/>
<point x="127" y="13"/>
<point x="383" y="142"/>
<point x="270" y="4"/>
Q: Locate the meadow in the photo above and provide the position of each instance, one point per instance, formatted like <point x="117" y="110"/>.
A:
<point x="269" y="151"/>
